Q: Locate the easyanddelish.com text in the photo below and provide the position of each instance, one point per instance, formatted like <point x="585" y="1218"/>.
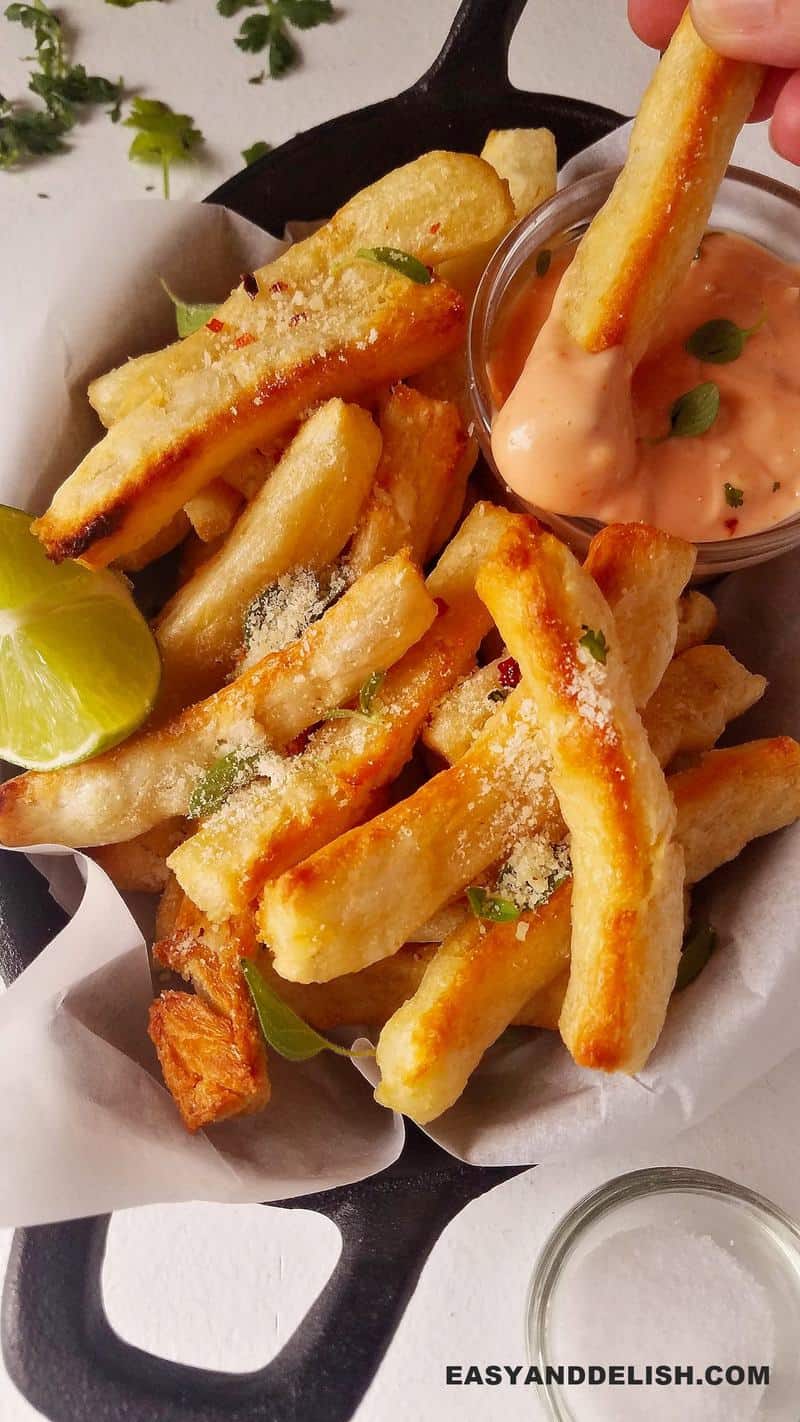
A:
<point x="607" y="1375"/>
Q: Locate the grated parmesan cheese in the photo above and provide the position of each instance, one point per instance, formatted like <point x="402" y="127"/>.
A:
<point x="533" y="870"/>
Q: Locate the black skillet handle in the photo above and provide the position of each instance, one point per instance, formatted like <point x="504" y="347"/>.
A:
<point x="474" y="57"/>
<point x="64" y="1357"/>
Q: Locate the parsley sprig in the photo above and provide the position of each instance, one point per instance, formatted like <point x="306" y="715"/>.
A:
<point x="162" y="137"/>
<point x="63" y="87"/>
<point x="268" y="29"/>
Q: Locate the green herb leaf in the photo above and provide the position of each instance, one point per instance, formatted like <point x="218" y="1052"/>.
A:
<point x="595" y="643"/>
<point x="232" y="7"/>
<point x="695" y="412"/>
<point x="283" y="52"/>
<point x="734" y="497"/>
<point x="256" y="150"/>
<point x="698" y="946"/>
<point x="720" y="341"/>
<point x="491" y="907"/>
<point x="258" y="78"/>
<point x="305" y="14"/>
<point x="401" y="262"/>
<point x="26" y="134"/>
<point x="366" y="699"/>
<point x="226" y="774"/>
<point x="48" y="36"/>
<point x="368" y="692"/>
<point x="283" y="1030"/>
<point x="543" y="260"/>
<point x="163" y="136"/>
<point x="189" y="315"/>
<point x="254" y="34"/>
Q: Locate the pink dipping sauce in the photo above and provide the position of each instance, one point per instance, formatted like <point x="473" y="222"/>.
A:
<point x="581" y="434"/>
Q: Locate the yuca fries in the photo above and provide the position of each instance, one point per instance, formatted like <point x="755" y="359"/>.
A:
<point x="150" y="777"/>
<point x="697" y="618"/>
<point x="640" y="244"/>
<point x="356" y="326"/>
<point x="641" y="572"/>
<point x="389" y="875"/>
<point x="526" y="158"/>
<point x="213" y="510"/>
<point x="484" y="978"/>
<point x="331" y="785"/>
<point x="701" y="691"/>
<point x="423" y="445"/>
<point x="208" y="1043"/>
<point x="139" y="866"/>
<point x="438" y="208"/>
<point x="303" y="516"/>
<point x="628" y="870"/>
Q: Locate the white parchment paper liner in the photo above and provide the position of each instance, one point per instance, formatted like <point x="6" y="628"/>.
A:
<point x="85" y="1123"/>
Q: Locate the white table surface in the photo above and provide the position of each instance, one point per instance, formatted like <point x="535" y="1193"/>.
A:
<point x="179" y="1280"/>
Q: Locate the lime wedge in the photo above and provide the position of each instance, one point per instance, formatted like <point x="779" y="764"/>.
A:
<point x="79" y="669"/>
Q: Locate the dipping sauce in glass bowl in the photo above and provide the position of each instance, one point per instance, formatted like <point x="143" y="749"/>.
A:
<point x="703" y="438"/>
<point x="666" y="1270"/>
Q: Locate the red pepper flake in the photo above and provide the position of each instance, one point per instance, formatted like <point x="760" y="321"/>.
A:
<point x="436" y="227"/>
<point x="278" y="286"/>
<point x="298" y="745"/>
<point x="731" y="524"/>
<point x="250" y="285"/>
<point x="441" y="605"/>
<point x="508" y="673"/>
<point x="215" y="325"/>
<point x="244" y="340"/>
<point x="298" y="317"/>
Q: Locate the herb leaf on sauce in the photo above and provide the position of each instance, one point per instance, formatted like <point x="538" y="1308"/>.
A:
<point x="694" y="412"/>
<point x="721" y="341"/>
<point x="734" y="497"/>
<point x="283" y="1029"/>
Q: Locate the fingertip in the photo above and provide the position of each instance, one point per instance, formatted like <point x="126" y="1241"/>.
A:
<point x="784" y="130"/>
<point x="654" y="20"/>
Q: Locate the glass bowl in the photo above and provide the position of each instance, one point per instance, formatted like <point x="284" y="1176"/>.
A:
<point x="747" y="203"/>
<point x="756" y="1242"/>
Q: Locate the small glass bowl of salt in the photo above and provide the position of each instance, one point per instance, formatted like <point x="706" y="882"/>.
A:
<point x="668" y="1295"/>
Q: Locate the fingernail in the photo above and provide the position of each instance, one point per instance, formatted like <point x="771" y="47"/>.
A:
<point x="720" y="18"/>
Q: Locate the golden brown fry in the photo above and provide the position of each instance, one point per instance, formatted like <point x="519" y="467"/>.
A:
<point x="213" y="510"/>
<point x="697" y="618"/>
<point x="639" y="245"/>
<point x="150" y="778"/>
<point x="641" y="573"/>
<point x="388" y="876"/>
<point x="357" y="325"/>
<point x="140" y="865"/>
<point x="209" y="1046"/>
<point x="332" y="784"/>
<point x="476" y="983"/>
<point x="733" y="796"/>
<point x="161" y="543"/>
<point x="439" y="208"/>
<point x="701" y="691"/>
<point x="526" y="158"/>
<point x="303" y="516"/>
<point x="423" y="447"/>
<point x="627" y="915"/>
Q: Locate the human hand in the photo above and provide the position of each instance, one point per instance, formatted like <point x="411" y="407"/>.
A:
<point x="766" y="31"/>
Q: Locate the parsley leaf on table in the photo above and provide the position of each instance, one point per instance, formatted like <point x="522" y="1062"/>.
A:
<point x="63" y="87"/>
<point x="267" y="30"/>
<point x="163" y="136"/>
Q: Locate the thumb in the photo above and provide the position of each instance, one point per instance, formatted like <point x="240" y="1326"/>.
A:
<point x="766" y="31"/>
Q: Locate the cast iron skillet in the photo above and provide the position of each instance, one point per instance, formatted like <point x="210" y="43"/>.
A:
<point x="58" y="1346"/>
